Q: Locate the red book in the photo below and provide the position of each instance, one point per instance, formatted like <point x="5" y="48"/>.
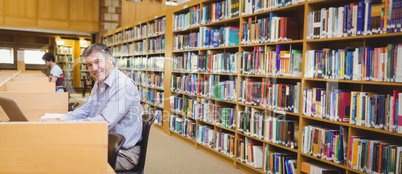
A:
<point x="395" y="115"/>
<point x="288" y="28"/>
<point x="344" y="107"/>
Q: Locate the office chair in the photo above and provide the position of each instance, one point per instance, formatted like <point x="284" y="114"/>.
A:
<point x="72" y="106"/>
<point x="147" y="121"/>
<point x="87" y="85"/>
<point x="115" y="142"/>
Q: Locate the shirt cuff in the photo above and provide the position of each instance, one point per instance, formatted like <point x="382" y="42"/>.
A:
<point x="65" y="118"/>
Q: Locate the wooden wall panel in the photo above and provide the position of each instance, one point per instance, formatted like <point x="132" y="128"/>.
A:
<point x="81" y="10"/>
<point x="53" y="9"/>
<point x="20" y="8"/>
<point x="74" y="15"/>
<point x="135" y="11"/>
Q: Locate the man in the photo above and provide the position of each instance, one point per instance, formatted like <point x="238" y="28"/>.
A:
<point x="114" y="99"/>
<point x="56" y="74"/>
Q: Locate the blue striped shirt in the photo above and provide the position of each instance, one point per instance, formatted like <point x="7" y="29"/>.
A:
<point x="116" y="101"/>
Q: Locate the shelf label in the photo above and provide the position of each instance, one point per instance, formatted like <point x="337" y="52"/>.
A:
<point x="185" y="6"/>
<point x="156" y="17"/>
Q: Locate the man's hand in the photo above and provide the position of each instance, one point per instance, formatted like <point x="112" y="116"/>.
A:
<point x="50" y="120"/>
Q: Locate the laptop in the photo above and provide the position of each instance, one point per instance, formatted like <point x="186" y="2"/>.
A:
<point x="12" y="110"/>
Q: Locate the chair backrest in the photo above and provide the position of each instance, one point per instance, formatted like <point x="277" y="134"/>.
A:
<point x="72" y="106"/>
<point x="147" y="121"/>
<point x="114" y="143"/>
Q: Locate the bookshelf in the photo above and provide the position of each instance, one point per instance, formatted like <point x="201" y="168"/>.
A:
<point x="82" y="68"/>
<point x="65" y="60"/>
<point x="286" y="66"/>
<point x="139" y="52"/>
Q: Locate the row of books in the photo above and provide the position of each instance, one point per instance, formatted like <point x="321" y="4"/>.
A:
<point x="156" y="45"/>
<point x="158" y="26"/>
<point x="211" y="62"/>
<point x="64" y="58"/>
<point x="147" y="109"/>
<point x="278" y="162"/>
<point x="155" y="80"/>
<point x="61" y="49"/>
<point x="137" y="32"/>
<point x="185" y="63"/>
<point x="185" y="83"/>
<point x="318" y="168"/>
<point x="374" y="156"/>
<point x="155" y="97"/>
<point x="205" y="135"/>
<point x="184" y="126"/>
<point x="273" y="61"/>
<point x="357" y="108"/>
<point x="159" y="117"/>
<point x="139" y="77"/>
<point x="185" y="42"/>
<point x="280" y="97"/>
<point x="218" y="11"/>
<point x="207" y="111"/>
<point x="210" y="37"/>
<point x="364" y="63"/>
<point x="151" y="63"/>
<point x="355" y="19"/>
<point x="129" y="49"/>
<point x="249" y="151"/>
<point x="225" y="143"/>
<point x="182" y="105"/>
<point x="274" y="128"/>
<point x="188" y="19"/>
<point x="269" y="29"/>
<point x="143" y="93"/>
<point x="255" y="6"/>
<point x="324" y="143"/>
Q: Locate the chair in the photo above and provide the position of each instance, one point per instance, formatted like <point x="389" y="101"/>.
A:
<point x="147" y="121"/>
<point x="85" y="80"/>
<point x="72" y="106"/>
<point x="114" y="144"/>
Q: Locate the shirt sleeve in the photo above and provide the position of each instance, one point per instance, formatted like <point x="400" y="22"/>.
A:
<point x="56" y="72"/>
<point x="79" y="113"/>
<point x="121" y="101"/>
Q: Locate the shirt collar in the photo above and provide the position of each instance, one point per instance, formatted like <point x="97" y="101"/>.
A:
<point x="111" y="77"/>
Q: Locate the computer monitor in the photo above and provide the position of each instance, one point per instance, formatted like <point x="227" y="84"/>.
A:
<point x="12" y="110"/>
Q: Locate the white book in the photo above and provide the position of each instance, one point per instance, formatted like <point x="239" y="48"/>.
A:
<point x="341" y="14"/>
<point x="257" y="150"/>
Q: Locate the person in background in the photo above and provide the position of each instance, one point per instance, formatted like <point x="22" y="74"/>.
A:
<point x="56" y="74"/>
<point x="114" y="99"/>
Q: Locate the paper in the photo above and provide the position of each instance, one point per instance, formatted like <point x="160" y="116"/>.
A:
<point x="51" y="115"/>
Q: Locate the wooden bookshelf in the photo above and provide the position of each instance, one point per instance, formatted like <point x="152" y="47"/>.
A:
<point x="300" y="12"/>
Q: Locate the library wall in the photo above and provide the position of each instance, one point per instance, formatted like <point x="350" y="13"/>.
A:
<point x="25" y="40"/>
<point x="74" y="15"/>
<point x="135" y="11"/>
<point x="110" y="15"/>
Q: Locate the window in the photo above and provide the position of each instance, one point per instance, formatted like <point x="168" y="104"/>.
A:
<point x="6" y="55"/>
<point x="34" y="57"/>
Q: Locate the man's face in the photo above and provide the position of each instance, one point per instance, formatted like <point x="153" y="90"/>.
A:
<point x="47" y="63"/>
<point x="99" y="66"/>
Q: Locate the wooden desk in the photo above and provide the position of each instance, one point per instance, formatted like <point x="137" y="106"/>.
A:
<point x="33" y="147"/>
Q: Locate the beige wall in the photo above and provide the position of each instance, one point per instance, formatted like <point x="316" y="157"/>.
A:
<point x="135" y="11"/>
<point x="74" y="15"/>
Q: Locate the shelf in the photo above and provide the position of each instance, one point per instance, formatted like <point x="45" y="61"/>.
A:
<point x="255" y="170"/>
<point x="270" y="143"/>
<point x="214" y="150"/>
<point x="229" y="74"/>
<point x="183" y="51"/>
<point x="273" y="43"/>
<point x="154" y="105"/>
<point x="217" y="48"/>
<point x="234" y="19"/>
<point x="266" y="12"/>
<point x="184" y="72"/>
<point x="354" y="126"/>
<point x="156" y="53"/>
<point x="338" y="39"/>
<point x="326" y="161"/>
<point x="156" y="35"/>
<point x="355" y="81"/>
<point x="185" y="30"/>
<point x="275" y="111"/>
<point x="186" y="138"/>
<point x="273" y="77"/>
<point x="220" y="127"/>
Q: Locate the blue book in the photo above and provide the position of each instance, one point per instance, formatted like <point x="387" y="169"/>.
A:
<point x="369" y="4"/>
<point x="360" y="18"/>
<point x="207" y="37"/>
<point x="233" y="36"/>
<point x="214" y="38"/>
<point x="346" y="19"/>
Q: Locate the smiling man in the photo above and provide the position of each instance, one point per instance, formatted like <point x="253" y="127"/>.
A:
<point x="114" y="99"/>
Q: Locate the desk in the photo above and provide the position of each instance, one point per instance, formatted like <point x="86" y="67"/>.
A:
<point x="109" y="169"/>
<point x="33" y="147"/>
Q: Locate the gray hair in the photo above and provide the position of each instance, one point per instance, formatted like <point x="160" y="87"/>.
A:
<point x="97" y="47"/>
